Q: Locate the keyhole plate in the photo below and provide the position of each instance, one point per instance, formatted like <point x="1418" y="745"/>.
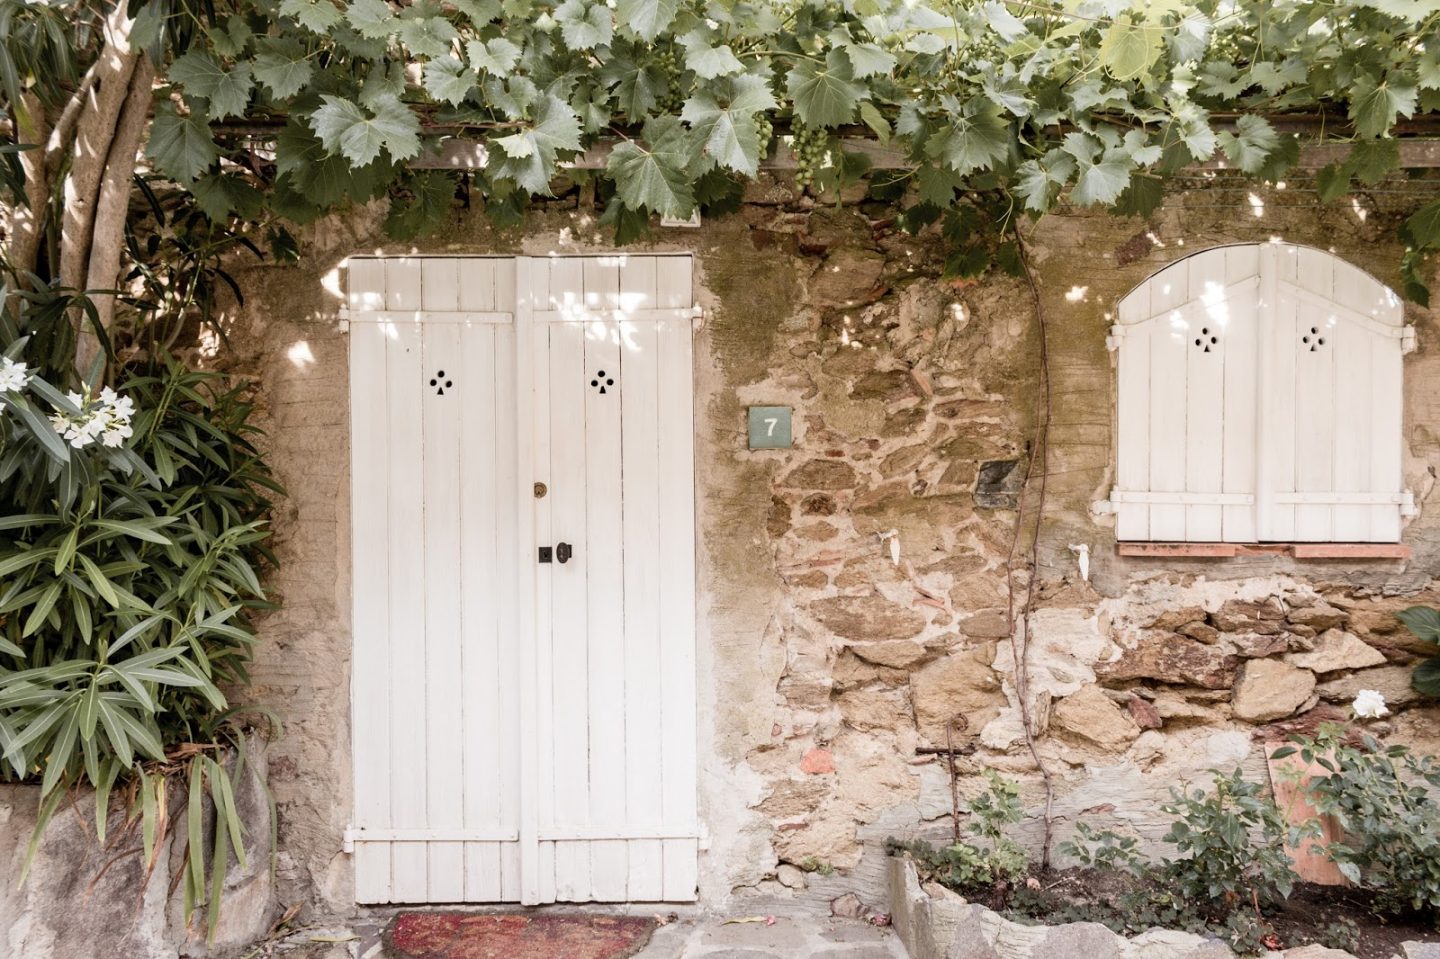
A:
<point x="440" y="383"/>
<point x="1313" y="339"/>
<point x="601" y="381"/>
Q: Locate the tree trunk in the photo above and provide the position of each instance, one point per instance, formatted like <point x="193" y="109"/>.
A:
<point x="26" y="225"/>
<point x="112" y="206"/>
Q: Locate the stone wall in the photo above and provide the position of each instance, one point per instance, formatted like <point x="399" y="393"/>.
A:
<point x="825" y="664"/>
<point x="82" y="899"/>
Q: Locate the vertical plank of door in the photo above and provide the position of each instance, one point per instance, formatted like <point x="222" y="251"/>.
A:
<point x="440" y="284"/>
<point x="1353" y="437"/>
<point x="370" y="683"/>
<point x="535" y="629"/>
<point x="406" y="582"/>
<point x="605" y="584"/>
<point x="1239" y="411"/>
<point x="444" y="665"/>
<point x="1132" y="424"/>
<point x="640" y="498"/>
<point x="677" y="576"/>
<point x="1168" y="342"/>
<point x="481" y="599"/>
<point x="506" y="555"/>
<point x="1315" y="397"/>
<point x="477" y="284"/>
<point x="1386" y="426"/>
<point x="1205" y="392"/>
<point x="1276" y="441"/>
<point x="569" y="751"/>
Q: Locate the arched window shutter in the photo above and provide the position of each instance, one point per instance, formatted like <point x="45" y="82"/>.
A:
<point x="1259" y="399"/>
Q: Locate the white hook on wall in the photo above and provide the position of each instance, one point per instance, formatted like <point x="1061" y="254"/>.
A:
<point x="1082" y="559"/>
<point x="893" y="536"/>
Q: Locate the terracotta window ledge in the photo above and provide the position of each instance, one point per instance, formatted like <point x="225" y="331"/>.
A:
<point x="1295" y="550"/>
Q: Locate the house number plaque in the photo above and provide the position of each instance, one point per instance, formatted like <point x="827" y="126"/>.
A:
<point x="770" y="428"/>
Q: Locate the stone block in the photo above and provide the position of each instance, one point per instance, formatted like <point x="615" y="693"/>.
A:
<point x="1092" y="716"/>
<point x="867" y="618"/>
<point x="997" y="486"/>
<point x="1269" y="689"/>
<point x="1172" y="660"/>
<point x="1081" y="940"/>
<point x="1420" y="950"/>
<point x="1335" y="650"/>
<point x="962" y="685"/>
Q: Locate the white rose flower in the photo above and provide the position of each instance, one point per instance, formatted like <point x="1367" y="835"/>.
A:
<point x="13" y="376"/>
<point x="1369" y="704"/>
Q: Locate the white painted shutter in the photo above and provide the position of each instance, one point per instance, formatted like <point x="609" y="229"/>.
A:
<point x="1333" y="401"/>
<point x="1259" y="399"/>
<point x="1186" y="340"/>
<point x="434" y="672"/>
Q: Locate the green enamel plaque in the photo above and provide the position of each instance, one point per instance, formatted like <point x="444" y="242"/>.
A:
<point x="769" y="427"/>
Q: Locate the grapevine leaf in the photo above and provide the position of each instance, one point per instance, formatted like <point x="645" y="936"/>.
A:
<point x="1250" y="144"/>
<point x="1332" y="182"/>
<point x="1372" y="160"/>
<point x="497" y="56"/>
<point x="372" y="18"/>
<point x="426" y="36"/>
<point x="1423" y="226"/>
<point x="825" y="96"/>
<point x="647" y="19"/>
<point x="975" y="141"/>
<point x="1191" y="36"/>
<point x="228" y="91"/>
<point x="1411" y="11"/>
<point x="1102" y="174"/>
<point x="430" y="197"/>
<point x="447" y="79"/>
<point x="480" y="12"/>
<point x="637" y="86"/>
<point x="282" y="67"/>
<point x="708" y="61"/>
<point x="219" y="195"/>
<point x="937" y="184"/>
<point x="729" y="134"/>
<point x="584" y="26"/>
<point x="530" y="155"/>
<point x="345" y="128"/>
<point x="317" y="16"/>
<point x="1374" y="106"/>
<point x="1128" y="48"/>
<point x="868" y="60"/>
<point x="181" y="147"/>
<point x="654" y="176"/>
<point x="875" y="120"/>
<point x="1141" y="198"/>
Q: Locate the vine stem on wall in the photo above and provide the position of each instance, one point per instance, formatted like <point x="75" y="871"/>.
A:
<point x="1019" y="623"/>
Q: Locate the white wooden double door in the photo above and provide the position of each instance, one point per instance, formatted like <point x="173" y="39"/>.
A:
<point x="524" y="711"/>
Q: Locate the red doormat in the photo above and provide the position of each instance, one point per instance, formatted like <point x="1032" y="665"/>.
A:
<point x="459" y="935"/>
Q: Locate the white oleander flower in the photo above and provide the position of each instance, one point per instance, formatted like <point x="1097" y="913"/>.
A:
<point x="1369" y="704"/>
<point x="13" y="376"/>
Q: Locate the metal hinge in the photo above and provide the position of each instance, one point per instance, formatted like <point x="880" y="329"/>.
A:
<point x="1407" y="339"/>
<point x="1117" y="333"/>
<point x="342" y="315"/>
<point x="348" y="843"/>
<point x="1407" y="504"/>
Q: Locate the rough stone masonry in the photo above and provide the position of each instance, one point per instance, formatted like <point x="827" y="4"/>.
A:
<point x="824" y="664"/>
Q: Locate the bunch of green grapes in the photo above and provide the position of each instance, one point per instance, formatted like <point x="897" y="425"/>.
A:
<point x="766" y="129"/>
<point x="812" y="152"/>
<point x="672" y="97"/>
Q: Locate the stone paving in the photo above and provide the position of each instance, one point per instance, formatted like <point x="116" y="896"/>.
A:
<point x="790" y="937"/>
<point x="692" y="936"/>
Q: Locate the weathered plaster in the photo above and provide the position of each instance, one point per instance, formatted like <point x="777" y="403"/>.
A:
<point x="824" y="664"/>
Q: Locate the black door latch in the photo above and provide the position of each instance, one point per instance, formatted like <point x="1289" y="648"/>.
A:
<point x="560" y="553"/>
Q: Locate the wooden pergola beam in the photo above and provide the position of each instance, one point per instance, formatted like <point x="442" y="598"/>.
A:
<point x="460" y="153"/>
